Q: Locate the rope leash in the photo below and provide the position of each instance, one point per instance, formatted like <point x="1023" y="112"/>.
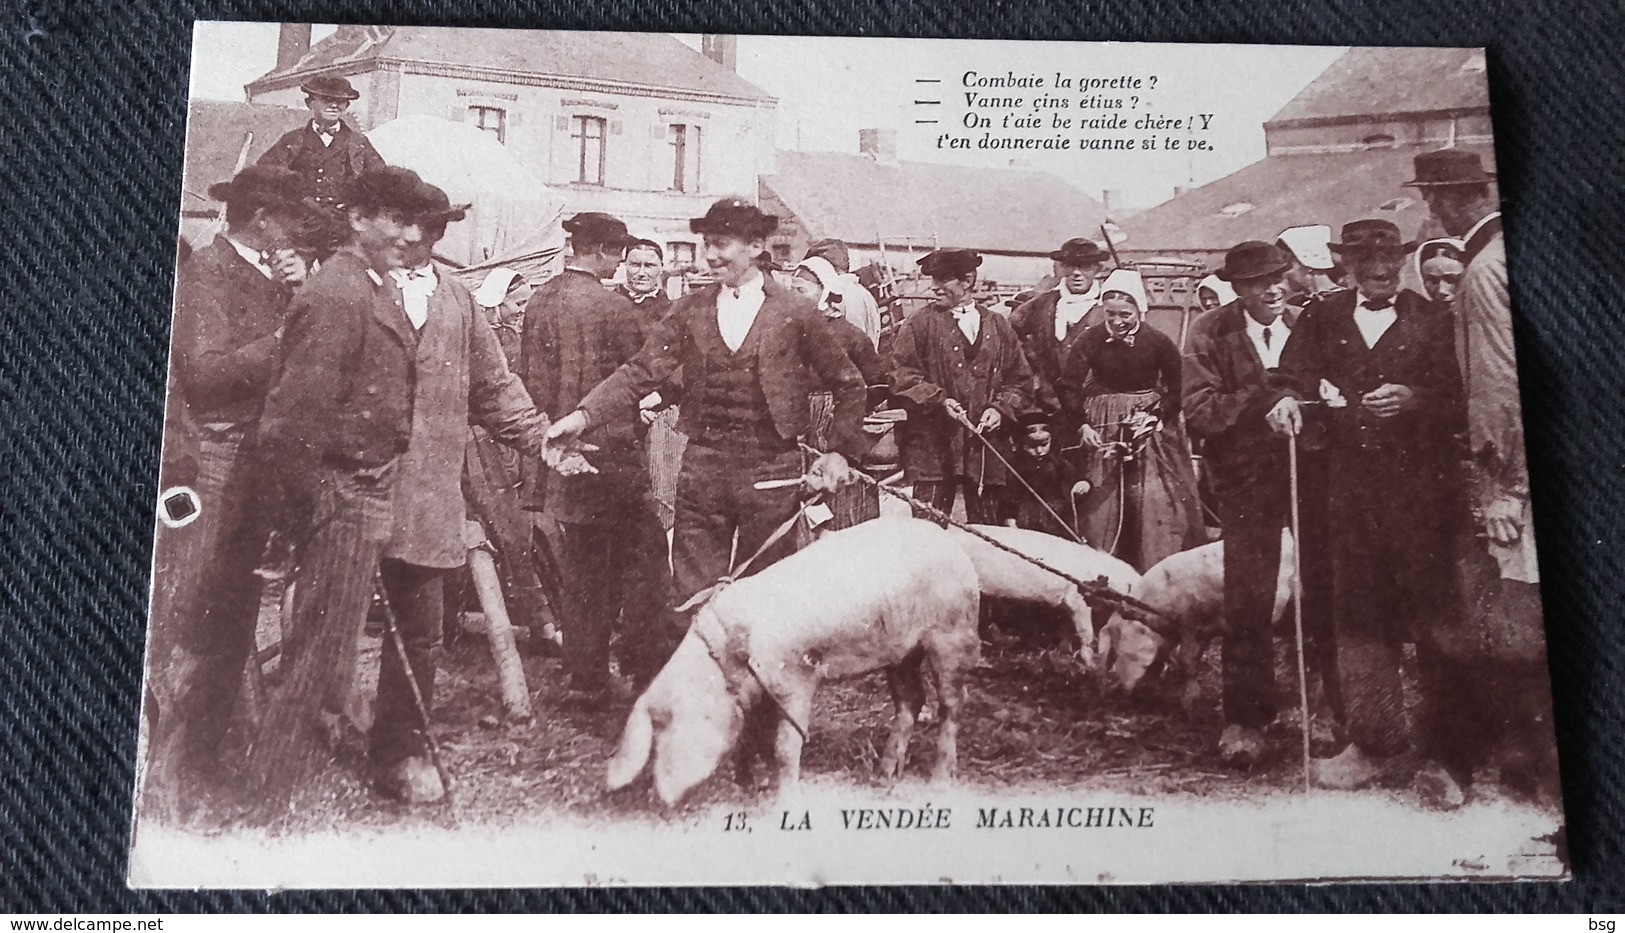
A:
<point x="988" y="446"/>
<point x="1126" y="606"/>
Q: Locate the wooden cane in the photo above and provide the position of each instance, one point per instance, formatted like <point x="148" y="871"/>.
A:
<point x="1297" y="602"/>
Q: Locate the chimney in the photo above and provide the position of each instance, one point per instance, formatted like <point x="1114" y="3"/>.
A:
<point x="879" y="145"/>
<point x="1111" y="199"/>
<point x="292" y="44"/>
<point x="724" y="50"/>
<point x="1180" y="190"/>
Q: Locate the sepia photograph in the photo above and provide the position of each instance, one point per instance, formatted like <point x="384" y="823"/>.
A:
<point x="662" y="459"/>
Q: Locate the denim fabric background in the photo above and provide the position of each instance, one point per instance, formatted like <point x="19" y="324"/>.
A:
<point x="91" y="131"/>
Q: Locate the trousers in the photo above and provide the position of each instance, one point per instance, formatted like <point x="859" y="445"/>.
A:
<point x="717" y="500"/>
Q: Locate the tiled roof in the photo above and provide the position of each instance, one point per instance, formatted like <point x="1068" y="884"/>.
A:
<point x="1006" y="210"/>
<point x="1377" y="81"/>
<point x="652" y="60"/>
<point x="1261" y="200"/>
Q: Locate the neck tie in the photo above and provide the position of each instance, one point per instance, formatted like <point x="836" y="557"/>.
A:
<point x="1266" y="336"/>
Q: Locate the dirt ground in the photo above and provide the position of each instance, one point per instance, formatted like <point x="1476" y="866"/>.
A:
<point x="1034" y="718"/>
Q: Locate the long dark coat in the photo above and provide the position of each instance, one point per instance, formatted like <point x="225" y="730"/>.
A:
<point x="1226" y="396"/>
<point x="577" y="332"/>
<point x="932" y="361"/>
<point x="227" y="321"/>
<point x="1034" y="323"/>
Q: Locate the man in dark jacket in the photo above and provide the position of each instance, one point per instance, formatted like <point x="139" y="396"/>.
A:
<point x="750" y="354"/>
<point x="325" y="151"/>
<point x="955" y="362"/>
<point x="231" y="303"/>
<point x="337" y="419"/>
<point x="1227" y="393"/>
<point x="1051" y="324"/>
<point x="611" y="547"/>
<point x="1393" y="481"/>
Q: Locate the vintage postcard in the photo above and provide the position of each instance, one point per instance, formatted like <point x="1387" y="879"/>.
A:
<point x="650" y="459"/>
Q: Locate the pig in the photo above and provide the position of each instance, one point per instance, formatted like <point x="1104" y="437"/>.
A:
<point x="892" y="593"/>
<point x="1005" y="575"/>
<point x="1188" y="588"/>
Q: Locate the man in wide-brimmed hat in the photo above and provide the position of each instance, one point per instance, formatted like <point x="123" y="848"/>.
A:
<point x="603" y="526"/>
<point x="462" y="380"/>
<point x="325" y="151"/>
<point x="1498" y="702"/>
<point x="955" y="362"/>
<point x="748" y="354"/>
<point x="231" y="304"/>
<point x="1051" y="323"/>
<point x="337" y="419"/>
<point x="1393" y="482"/>
<point x="1229" y="359"/>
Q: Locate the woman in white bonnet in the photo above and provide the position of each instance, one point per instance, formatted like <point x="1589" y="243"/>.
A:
<point x="503" y="296"/>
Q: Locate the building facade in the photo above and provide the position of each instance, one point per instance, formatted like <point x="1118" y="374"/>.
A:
<point x="633" y="124"/>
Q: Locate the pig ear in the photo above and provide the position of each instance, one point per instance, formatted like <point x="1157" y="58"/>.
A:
<point x="633" y="754"/>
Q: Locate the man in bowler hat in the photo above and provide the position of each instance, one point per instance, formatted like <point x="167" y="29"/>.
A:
<point x="231" y="305"/>
<point x="1229" y="359"/>
<point x="337" y="418"/>
<point x="1051" y="324"/>
<point x="747" y="354"/>
<point x="1498" y="702"/>
<point x="955" y="362"/>
<point x="1392" y="479"/>
<point x="610" y="544"/>
<point x="325" y="151"/>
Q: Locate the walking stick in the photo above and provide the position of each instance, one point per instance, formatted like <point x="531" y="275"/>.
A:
<point x="1297" y="602"/>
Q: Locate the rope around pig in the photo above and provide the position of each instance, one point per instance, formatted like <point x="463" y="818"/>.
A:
<point x="1126" y="606"/>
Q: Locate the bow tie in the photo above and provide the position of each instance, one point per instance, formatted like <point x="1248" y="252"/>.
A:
<point x="963" y="311"/>
<point x="1377" y="304"/>
<point x="1126" y="340"/>
<point x="332" y="130"/>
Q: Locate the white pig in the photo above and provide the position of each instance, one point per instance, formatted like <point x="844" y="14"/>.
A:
<point x="890" y="593"/>
<point x="1188" y="588"/>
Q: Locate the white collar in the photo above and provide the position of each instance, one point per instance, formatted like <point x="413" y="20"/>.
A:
<point x="1256" y="329"/>
<point x="1492" y="215"/>
<point x="753" y="285"/>
<point x="317" y="128"/>
<point x="1360" y="298"/>
<point x="252" y="257"/>
<point x="1066" y="293"/>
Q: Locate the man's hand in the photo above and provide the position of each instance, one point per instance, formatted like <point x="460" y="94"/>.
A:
<point x="955" y="410"/>
<point x="991" y="419"/>
<point x="829" y="474"/>
<point x="289" y="267"/>
<point x="562" y="447"/>
<point x="1089" y="437"/>
<point x="1286" y="418"/>
<point x="1503" y="519"/>
<point x="1387" y="400"/>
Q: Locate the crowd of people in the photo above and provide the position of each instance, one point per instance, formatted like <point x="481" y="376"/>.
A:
<point x="344" y="406"/>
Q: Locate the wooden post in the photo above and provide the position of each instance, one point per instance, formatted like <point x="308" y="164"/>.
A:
<point x="510" y="672"/>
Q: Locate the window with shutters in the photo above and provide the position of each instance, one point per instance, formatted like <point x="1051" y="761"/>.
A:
<point x="684" y="140"/>
<point x="589" y="135"/>
<point x="493" y="120"/>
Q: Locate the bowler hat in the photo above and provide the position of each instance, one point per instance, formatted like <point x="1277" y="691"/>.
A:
<point x="331" y="86"/>
<point x="1445" y="167"/>
<point x="387" y="188"/>
<point x="1079" y="251"/>
<point x="735" y="217"/>
<point x="262" y="186"/>
<point x="602" y="229"/>
<point x="1253" y="259"/>
<point x="1374" y="233"/>
<point x="950" y="263"/>
<point x="435" y="207"/>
